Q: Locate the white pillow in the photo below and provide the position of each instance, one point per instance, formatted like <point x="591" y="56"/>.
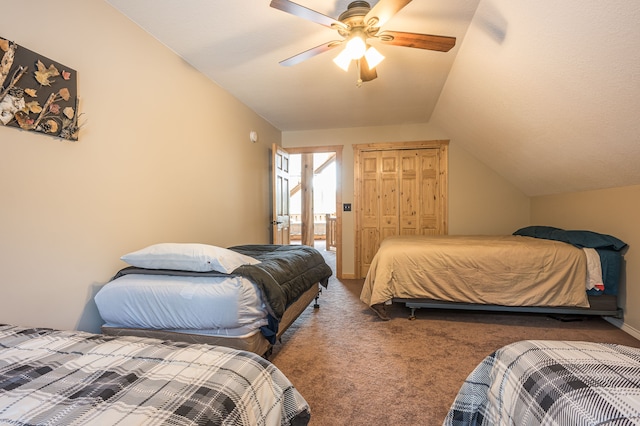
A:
<point x="188" y="257"/>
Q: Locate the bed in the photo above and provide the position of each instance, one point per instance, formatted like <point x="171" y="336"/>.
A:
<point x="76" y="378"/>
<point x="243" y="297"/>
<point x="537" y="269"/>
<point x="552" y="383"/>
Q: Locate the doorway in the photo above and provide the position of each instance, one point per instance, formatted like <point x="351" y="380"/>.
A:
<point x="315" y="200"/>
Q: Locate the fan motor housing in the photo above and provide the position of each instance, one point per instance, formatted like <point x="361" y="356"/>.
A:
<point x="353" y="17"/>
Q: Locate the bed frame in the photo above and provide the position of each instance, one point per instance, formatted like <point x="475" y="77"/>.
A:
<point x="255" y="342"/>
<point x="604" y="305"/>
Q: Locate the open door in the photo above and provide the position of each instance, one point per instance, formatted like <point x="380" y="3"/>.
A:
<point x="334" y="156"/>
<point x="280" y="191"/>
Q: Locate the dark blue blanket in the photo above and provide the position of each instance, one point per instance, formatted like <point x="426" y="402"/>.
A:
<point x="608" y="247"/>
<point x="577" y="238"/>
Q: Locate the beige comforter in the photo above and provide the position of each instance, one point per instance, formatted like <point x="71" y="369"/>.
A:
<point x="498" y="270"/>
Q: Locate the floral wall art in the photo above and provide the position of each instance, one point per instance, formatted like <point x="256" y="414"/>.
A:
<point x="36" y="93"/>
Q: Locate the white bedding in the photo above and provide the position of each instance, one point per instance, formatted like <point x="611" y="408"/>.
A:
<point x="230" y="306"/>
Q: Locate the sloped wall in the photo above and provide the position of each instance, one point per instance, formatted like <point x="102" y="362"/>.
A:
<point x="164" y="156"/>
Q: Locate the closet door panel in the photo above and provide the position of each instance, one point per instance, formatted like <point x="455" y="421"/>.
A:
<point x="429" y="192"/>
<point x="369" y="208"/>
<point x="409" y="193"/>
<point x="369" y="247"/>
<point x="369" y="191"/>
<point x="388" y="194"/>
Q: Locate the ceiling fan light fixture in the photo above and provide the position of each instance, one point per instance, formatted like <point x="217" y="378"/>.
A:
<point x="373" y="57"/>
<point x="354" y="49"/>
<point x="343" y="60"/>
<point x="359" y="23"/>
<point x="356" y="46"/>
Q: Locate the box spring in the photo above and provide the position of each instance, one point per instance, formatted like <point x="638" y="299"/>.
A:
<point x="255" y="342"/>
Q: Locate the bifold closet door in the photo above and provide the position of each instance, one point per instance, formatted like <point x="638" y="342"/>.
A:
<point x="419" y="192"/>
<point x="400" y="192"/>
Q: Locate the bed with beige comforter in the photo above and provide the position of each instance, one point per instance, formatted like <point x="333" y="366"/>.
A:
<point x="505" y="271"/>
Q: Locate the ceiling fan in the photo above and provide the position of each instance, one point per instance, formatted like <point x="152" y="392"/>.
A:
<point x="356" y="25"/>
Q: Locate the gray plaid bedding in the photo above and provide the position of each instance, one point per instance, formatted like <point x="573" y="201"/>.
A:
<point x="50" y="377"/>
<point x="552" y="383"/>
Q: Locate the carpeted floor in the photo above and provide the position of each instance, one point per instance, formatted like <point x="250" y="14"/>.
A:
<point x="354" y="369"/>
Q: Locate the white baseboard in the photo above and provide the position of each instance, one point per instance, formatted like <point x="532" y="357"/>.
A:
<point x="624" y="327"/>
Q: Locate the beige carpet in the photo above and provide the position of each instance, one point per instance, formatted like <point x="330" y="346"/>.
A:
<point x="354" y="369"/>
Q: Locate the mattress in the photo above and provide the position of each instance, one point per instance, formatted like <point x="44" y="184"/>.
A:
<point x="245" y="309"/>
<point x="220" y="306"/>
<point x="552" y="383"/>
<point x="50" y="377"/>
<point x="252" y="342"/>
<point x="501" y="270"/>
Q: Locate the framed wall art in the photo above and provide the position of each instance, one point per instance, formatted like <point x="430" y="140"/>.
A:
<point x="36" y="93"/>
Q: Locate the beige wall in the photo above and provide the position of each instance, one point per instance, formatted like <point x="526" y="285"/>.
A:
<point x="480" y="201"/>
<point x="608" y="211"/>
<point x="161" y="152"/>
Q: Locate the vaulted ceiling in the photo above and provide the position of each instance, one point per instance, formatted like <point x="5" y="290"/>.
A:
<point x="546" y="93"/>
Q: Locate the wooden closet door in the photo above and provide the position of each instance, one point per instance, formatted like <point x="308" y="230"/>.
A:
<point x="369" y="216"/>
<point x="399" y="192"/>
<point x="409" y="192"/>
<point x="431" y="206"/>
<point x="389" y="207"/>
<point x="419" y="192"/>
<point x="368" y="211"/>
<point x="379" y="214"/>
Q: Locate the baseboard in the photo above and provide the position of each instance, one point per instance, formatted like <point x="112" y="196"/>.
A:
<point x="624" y="327"/>
<point x="348" y="276"/>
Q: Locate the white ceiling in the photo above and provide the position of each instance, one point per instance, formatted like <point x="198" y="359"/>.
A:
<point x="543" y="92"/>
<point x="239" y="44"/>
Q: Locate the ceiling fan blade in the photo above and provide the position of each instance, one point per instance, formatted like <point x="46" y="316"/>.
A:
<point x="306" y="13"/>
<point x="383" y="11"/>
<point x="296" y="59"/>
<point x="420" y="41"/>
<point x="365" y="73"/>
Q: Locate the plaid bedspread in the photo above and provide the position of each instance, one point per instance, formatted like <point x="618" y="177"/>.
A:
<point x="50" y="377"/>
<point x="552" y="383"/>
